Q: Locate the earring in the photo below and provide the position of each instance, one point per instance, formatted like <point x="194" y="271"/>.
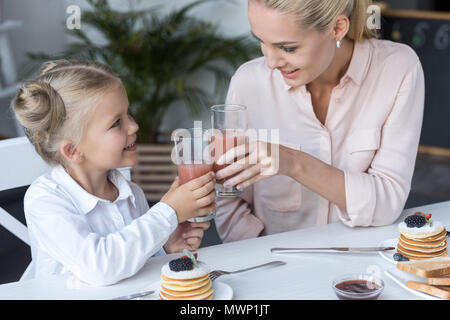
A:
<point x="338" y="43"/>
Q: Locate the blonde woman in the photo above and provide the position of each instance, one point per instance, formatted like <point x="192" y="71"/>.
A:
<point x="83" y="216"/>
<point x="349" y="111"/>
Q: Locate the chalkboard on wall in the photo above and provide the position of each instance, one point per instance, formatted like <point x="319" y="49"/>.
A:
<point x="429" y="35"/>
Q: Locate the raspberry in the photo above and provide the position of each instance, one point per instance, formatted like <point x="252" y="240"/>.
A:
<point x="195" y="255"/>
<point x="426" y="215"/>
<point x="181" y="264"/>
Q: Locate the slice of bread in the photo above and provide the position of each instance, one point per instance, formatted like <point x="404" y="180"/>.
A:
<point x="434" y="267"/>
<point x="439" y="281"/>
<point x="437" y="291"/>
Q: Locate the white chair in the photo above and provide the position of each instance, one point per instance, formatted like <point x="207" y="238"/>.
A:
<point x="20" y="165"/>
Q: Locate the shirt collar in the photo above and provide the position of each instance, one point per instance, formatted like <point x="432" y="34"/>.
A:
<point x="357" y="70"/>
<point x="85" y="201"/>
<point x="359" y="65"/>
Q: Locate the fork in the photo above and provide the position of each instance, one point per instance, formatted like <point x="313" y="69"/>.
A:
<point x="213" y="275"/>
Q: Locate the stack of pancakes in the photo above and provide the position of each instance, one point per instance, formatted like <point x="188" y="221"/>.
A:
<point x="186" y="285"/>
<point x="420" y="246"/>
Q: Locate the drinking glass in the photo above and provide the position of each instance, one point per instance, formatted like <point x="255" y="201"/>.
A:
<point x="229" y="124"/>
<point x="193" y="159"/>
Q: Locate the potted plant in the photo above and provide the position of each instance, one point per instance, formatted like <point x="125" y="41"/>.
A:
<point x="158" y="58"/>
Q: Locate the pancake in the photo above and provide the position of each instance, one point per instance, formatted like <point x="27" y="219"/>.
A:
<point x="424" y="242"/>
<point x="412" y="255"/>
<point x="182" y="284"/>
<point x="422" y="249"/>
<point x="439" y="236"/>
<point x="189" y="293"/>
<point x="424" y="232"/>
<point x="185" y="286"/>
<point x="165" y="296"/>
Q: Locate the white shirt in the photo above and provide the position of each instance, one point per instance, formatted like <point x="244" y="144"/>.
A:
<point x="99" y="241"/>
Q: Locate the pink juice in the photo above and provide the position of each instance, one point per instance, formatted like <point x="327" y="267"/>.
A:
<point x="187" y="172"/>
<point x="222" y="143"/>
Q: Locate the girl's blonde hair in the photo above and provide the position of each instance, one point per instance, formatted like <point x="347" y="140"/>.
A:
<point x="58" y="104"/>
<point x="321" y="14"/>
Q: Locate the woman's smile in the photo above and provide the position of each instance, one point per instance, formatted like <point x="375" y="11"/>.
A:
<point x="290" y="74"/>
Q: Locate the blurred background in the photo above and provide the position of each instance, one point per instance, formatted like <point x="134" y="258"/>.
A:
<point x="195" y="47"/>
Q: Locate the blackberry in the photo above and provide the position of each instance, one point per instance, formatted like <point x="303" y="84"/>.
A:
<point x="181" y="264"/>
<point x="415" y="221"/>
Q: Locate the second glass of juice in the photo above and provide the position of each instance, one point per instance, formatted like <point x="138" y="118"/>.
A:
<point x="193" y="159"/>
<point x="229" y="125"/>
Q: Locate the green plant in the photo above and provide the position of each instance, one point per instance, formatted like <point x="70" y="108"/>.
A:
<point x="158" y="58"/>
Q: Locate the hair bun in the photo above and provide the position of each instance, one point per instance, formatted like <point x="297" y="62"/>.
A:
<point x="39" y="107"/>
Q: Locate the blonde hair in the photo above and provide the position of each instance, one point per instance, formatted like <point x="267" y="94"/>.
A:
<point x="321" y="14"/>
<point x="58" y="104"/>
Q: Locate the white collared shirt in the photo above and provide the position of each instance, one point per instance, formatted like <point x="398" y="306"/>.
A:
<point x="99" y="241"/>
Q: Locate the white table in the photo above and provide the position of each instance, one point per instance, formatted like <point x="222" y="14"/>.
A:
<point x="305" y="276"/>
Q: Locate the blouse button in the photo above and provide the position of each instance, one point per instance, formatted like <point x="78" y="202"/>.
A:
<point x="337" y="100"/>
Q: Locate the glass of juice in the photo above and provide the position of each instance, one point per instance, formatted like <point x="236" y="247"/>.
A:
<point x="193" y="159"/>
<point x="229" y="124"/>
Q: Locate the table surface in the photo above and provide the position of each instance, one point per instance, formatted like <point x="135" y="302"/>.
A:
<point x="305" y="275"/>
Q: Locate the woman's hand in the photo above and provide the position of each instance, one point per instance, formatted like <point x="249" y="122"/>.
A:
<point x="257" y="160"/>
<point x="188" y="235"/>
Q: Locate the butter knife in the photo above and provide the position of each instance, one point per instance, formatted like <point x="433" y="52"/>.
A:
<point x="332" y="249"/>
<point x="134" y="295"/>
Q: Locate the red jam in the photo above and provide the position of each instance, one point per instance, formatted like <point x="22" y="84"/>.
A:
<point x="358" y="290"/>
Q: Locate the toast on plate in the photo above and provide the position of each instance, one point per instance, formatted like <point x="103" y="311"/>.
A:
<point x="437" y="291"/>
<point x="429" y="268"/>
<point x="439" y="281"/>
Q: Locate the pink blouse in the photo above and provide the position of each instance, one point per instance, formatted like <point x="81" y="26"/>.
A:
<point x="371" y="133"/>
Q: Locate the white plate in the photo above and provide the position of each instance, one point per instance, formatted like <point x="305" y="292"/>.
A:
<point x="401" y="277"/>
<point x="222" y="291"/>
<point x="387" y="255"/>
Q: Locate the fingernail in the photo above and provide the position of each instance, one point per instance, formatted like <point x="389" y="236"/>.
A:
<point x="219" y="161"/>
<point x="227" y="185"/>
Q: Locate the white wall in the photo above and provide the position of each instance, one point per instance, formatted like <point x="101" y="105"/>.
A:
<point x="231" y="16"/>
<point x="44" y="30"/>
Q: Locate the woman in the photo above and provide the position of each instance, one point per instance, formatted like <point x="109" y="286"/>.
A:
<point x="349" y="111"/>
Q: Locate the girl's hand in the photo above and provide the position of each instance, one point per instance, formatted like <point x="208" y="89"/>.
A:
<point x="188" y="235"/>
<point x="262" y="161"/>
<point x="194" y="198"/>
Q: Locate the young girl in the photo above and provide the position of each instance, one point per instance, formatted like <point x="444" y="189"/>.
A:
<point x="84" y="216"/>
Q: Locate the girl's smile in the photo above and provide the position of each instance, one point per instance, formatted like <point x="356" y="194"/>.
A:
<point x="131" y="147"/>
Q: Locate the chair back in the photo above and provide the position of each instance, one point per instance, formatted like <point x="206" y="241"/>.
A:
<point x="20" y="165"/>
